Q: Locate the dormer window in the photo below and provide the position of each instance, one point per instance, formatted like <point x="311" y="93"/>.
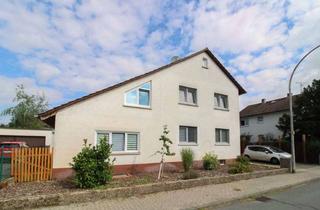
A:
<point x="139" y="96"/>
<point x="204" y="63"/>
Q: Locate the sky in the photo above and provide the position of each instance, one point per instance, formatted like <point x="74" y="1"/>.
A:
<point x="67" y="49"/>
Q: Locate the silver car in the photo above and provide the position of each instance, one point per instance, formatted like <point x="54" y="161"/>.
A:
<point x="265" y="153"/>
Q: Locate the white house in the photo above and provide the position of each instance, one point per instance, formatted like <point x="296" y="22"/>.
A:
<point x="261" y="119"/>
<point x="195" y="96"/>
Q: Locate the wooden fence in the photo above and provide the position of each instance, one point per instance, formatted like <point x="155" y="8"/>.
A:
<point x="31" y="164"/>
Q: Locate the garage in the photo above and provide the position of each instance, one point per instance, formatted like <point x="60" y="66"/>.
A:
<point x="31" y="141"/>
<point x="32" y="137"/>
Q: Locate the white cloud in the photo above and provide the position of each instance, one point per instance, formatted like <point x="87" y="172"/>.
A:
<point x="8" y="87"/>
<point x="245" y="29"/>
<point x="268" y="59"/>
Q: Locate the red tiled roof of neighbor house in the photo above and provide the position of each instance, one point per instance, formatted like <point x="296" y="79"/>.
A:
<point x="267" y="107"/>
<point x="52" y="111"/>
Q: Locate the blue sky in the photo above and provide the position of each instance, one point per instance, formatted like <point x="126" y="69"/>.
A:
<point x="66" y="49"/>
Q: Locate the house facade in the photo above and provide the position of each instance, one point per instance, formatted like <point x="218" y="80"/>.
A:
<point x="194" y="96"/>
<point x="260" y="120"/>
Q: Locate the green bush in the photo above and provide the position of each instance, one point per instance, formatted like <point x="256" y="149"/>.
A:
<point x="191" y="174"/>
<point x="93" y="165"/>
<point x="210" y="161"/>
<point x="187" y="157"/>
<point x="242" y="165"/>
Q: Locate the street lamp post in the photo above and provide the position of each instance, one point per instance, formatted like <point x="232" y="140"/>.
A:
<point x="293" y="159"/>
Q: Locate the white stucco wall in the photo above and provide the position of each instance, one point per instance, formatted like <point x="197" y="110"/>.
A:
<point x="106" y="112"/>
<point x="48" y="134"/>
<point x="267" y="127"/>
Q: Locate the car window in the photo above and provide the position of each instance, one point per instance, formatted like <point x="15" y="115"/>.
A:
<point x="252" y="148"/>
<point x="261" y="149"/>
<point x="275" y="149"/>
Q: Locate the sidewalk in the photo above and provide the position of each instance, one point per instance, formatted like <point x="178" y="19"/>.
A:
<point x="206" y="195"/>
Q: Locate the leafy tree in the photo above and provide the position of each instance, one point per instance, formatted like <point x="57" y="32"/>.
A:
<point x="306" y="112"/>
<point x="23" y="114"/>
<point x="165" y="149"/>
<point x="284" y="125"/>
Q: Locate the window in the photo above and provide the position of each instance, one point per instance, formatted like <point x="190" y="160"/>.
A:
<point x="260" y="119"/>
<point x="139" y="96"/>
<point x="187" y="95"/>
<point x="221" y="101"/>
<point x="244" y="122"/>
<point x="222" y="136"/>
<point x="204" y="63"/>
<point x="188" y="134"/>
<point x="121" y="141"/>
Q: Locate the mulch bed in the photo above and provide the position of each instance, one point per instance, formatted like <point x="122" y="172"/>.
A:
<point x="53" y="187"/>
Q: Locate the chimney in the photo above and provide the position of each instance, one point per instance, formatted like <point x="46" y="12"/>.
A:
<point x="174" y="58"/>
<point x="263" y="100"/>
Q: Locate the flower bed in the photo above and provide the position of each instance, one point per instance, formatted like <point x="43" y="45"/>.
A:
<point x="53" y="187"/>
<point x="53" y="193"/>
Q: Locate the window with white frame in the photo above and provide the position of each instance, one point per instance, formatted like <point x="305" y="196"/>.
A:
<point x="221" y="101"/>
<point x="260" y="119"/>
<point x="187" y="95"/>
<point x="244" y="122"/>
<point x="188" y="134"/>
<point x="222" y="136"/>
<point x="204" y="63"/>
<point x="139" y="96"/>
<point x="120" y="141"/>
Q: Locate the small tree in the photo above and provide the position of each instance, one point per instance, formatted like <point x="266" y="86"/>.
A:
<point x="93" y="165"/>
<point x="165" y="149"/>
<point x="306" y="111"/>
<point x="26" y="108"/>
<point x="284" y="125"/>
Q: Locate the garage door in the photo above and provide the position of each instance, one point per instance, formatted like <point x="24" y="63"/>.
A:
<point x="32" y="141"/>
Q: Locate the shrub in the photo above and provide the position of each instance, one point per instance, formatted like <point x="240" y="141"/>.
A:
<point x="191" y="174"/>
<point x="210" y="161"/>
<point x="93" y="165"/>
<point x="187" y="157"/>
<point x="242" y="165"/>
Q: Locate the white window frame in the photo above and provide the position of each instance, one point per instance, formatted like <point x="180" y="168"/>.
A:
<point x="187" y="142"/>
<point x="205" y="63"/>
<point x="138" y="95"/>
<point x="220" y="135"/>
<point x="246" y="122"/>
<point x="186" y="102"/>
<point x="260" y="121"/>
<point x="219" y="95"/>
<point x="125" y="151"/>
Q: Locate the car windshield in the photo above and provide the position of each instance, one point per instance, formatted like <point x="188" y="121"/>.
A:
<point x="277" y="150"/>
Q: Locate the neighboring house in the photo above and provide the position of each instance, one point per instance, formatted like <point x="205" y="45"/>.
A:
<point x="261" y="119"/>
<point x="32" y="137"/>
<point x="195" y="96"/>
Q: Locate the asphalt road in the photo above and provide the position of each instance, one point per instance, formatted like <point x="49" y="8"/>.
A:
<point x="303" y="197"/>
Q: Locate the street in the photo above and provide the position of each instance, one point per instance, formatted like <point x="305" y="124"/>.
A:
<point x="305" y="196"/>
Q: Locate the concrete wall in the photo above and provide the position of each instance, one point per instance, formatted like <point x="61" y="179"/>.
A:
<point x="48" y="134"/>
<point x="106" y="112"/>
<point x="268" y="126"/>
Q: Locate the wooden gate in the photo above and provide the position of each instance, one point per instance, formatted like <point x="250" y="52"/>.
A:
<point x="31" y="164"/>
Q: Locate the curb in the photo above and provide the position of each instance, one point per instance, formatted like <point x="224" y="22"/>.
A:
<point x="124" y="192"/>
<point x="253" y="195"/>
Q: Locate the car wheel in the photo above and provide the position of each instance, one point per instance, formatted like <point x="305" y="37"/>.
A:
<point x="247" y="156"/>
<point x="274" y="161"/>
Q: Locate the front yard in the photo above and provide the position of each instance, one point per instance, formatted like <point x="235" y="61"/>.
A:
<point x="55" y="187"/>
